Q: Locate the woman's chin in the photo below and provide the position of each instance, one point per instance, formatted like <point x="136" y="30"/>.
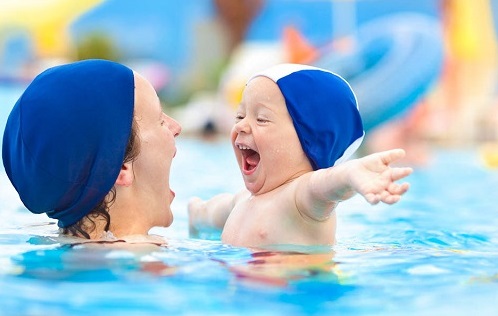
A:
<point x="169" y="218"/>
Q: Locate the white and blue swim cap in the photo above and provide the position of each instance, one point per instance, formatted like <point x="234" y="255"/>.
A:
<point x="324" y="111"/>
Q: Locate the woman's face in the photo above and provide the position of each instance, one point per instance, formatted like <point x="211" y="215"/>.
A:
<point x="151" y="168"/>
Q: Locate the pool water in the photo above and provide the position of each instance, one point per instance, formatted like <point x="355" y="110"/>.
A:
<point x="434" y="253"/>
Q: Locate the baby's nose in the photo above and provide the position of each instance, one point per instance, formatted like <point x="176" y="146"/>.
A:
<point x="242" y="126"/>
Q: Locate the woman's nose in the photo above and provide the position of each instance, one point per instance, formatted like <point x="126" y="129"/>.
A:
<point x="174" y="127"/>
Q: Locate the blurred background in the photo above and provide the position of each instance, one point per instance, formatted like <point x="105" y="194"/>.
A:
<point x="424" y="71"/>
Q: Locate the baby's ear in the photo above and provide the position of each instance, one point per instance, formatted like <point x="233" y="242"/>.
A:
<point x="125" y="177"/>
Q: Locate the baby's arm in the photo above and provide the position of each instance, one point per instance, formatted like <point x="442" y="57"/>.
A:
<point x="374" y="178"/>
<point x="371" y="176"/>
<point x="212" y="213"/>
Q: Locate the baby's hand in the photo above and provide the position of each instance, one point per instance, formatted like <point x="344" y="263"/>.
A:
<point x="194" y="209"/>
<point x="210" y="214"/>
<point x="195" y="214"/>
<point x="374" y="178"/>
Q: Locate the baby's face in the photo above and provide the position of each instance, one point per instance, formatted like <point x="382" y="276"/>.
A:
<point x="265" y="142"/>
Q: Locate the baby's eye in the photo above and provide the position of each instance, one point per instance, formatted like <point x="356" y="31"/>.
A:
<point x="262" y="120"/>
<point x="239" y="117"/>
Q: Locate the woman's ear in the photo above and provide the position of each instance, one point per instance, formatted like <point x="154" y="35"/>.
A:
<point x="125" y="177"/>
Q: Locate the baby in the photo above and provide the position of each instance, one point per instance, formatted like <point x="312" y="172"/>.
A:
<point x="295" y="129"/>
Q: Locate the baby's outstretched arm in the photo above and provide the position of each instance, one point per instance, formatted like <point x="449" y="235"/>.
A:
<point x="212" y="213"/>
<point x="371" y="176"/>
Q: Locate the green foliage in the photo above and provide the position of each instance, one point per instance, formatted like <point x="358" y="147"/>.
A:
<point x="96" y="45"/>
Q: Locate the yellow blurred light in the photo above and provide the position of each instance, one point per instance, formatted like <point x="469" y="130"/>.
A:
<point x="47" y="21"/>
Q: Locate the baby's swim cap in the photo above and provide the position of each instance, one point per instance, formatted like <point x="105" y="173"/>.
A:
<point x="324" y="111"/>
<point x="65" y="138"/>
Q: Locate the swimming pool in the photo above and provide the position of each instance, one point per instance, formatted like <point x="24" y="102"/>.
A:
<point x="433" y="253"/>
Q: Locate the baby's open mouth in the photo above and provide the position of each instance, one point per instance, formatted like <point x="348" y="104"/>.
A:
<point x="250" y="158"/>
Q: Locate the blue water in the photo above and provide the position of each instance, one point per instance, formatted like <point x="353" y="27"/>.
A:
<point x="434" y="253"/>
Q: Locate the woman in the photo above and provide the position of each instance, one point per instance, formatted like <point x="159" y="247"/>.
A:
<point x="88" y="144"/>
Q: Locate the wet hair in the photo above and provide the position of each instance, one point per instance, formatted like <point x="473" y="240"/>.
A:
<point x="100" y="212"/>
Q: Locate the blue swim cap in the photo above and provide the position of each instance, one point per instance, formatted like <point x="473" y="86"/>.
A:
<point x="65" y="138"/>
<point x="324" y="111"/>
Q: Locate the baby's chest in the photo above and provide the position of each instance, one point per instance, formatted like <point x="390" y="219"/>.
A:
<point x="258" y="223"/>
